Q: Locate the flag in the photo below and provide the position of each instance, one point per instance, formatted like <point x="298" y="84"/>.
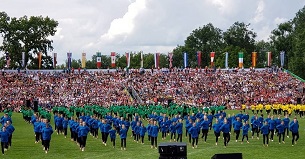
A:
<point x="69" y="55"/>
<point x="98" y="60"/>
<point x="112" y="59"/>
<point x="142" y="60"/>
<point x="127" y="59"/>
<point x="199" y="58"/>
<point x="23" y="59"/>
<point x="39" y="59"/>
<point x="84" y="60"/>
<point x="269" y="62"/>
<point x="170" y="56"/>
<point x="157" y="59"/>
<point x="282" y="58"/>
<point x="212" y="58"/>
<point x="185" y="59"/>
<point x="227" y="60"/>
<point x="8" y="60"/>
<point x="240" y="59"/>
<point x="54" y="60"/>
<point x="254" y="55"/>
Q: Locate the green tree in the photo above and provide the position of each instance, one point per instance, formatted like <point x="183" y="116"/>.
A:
<point x="106" y="61"/>
<point x="62" y="66"/>
<point x="148" y="61"/>
<point x="121" y="61"/>
<point x="91" y="64"/>
<point x="2" y="62"/>
<point x="240" y="35"/>
<point x="282" y="40"/>
<point x="76" y="63"/>
<point x="178" y="56"/>
<point x="164" y="63"/>
<point x="205" y="39"/>
<point x="135" y="58"/>
<point x="29" y="35"/>
<point x="297" y="59"/>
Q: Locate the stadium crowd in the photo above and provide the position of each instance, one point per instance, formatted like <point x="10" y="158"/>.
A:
<point x="196" y="87"/>
<point x="230" y="88"/>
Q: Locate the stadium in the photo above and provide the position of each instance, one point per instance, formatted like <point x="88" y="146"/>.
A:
<point x="119" y="97"/>
<point x="147" y="79"/>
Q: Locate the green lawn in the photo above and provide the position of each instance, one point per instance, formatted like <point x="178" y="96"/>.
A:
<point x="23" y="146"/>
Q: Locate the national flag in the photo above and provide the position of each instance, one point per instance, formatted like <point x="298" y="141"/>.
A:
<point x="69" y="55"/>
<point x="112" y="59"/>
<point x="127" y="54"/>
<point x="142" y="60"/>
<point x="254" y="55"/>
<point x="39" y="59"/>
<point x="54" y="60"/>
<point x="8" y="60"/>
<point x="199" y="58"/>
<point x="8" y="63"/>
<point x="212" y="54"/>
<point x="227" y="60"/>
<point x="185" y="60"/>
<point x="84" y="59"/>
<point x="240" y="59"/>
<point x="23" y="59"/>
<point x="170" y="56"/>
<point x="157" y="60"/>
<point x="269" y="60"/>
<point x="98" y="60"/>
<point x="282" y="56"/>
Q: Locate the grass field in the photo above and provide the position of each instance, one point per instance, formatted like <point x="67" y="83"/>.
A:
<point x="23" y="147"/>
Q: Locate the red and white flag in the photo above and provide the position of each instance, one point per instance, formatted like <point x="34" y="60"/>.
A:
<point x="157" y="59"/>
<point x="212" y="58"/>
<point x="127" y="59"/>
<point x="112" y="59"/>
<point x="98" y="60"/>
<point x="170" y="56"/>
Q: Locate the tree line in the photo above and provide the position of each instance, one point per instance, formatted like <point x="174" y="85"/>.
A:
<point x="30" y="35"/>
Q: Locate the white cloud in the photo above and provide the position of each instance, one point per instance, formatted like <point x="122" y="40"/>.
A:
<point x="125" y="25"/>
<point x="279" y="20"/>
<point x="259" y="13"/>
<point x="224" y="6"/>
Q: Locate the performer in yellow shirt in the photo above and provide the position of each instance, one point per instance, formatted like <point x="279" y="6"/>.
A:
<point x="298" y="109"/>
<point x="275" y="108"/>
<point x="253" y="107"/>
<point x="243" y="107"/>
<point x="268" y="108"/>
<point x="289" y="111"/>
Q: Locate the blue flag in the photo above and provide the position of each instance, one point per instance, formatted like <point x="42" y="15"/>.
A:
<point x="226" y="61"/>
<point x="282" y="56"/>
<point x="185" y="59"/>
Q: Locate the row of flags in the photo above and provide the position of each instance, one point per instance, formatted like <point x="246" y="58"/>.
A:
<point x="156" y="59"/>
<point x="240" y="59"/>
